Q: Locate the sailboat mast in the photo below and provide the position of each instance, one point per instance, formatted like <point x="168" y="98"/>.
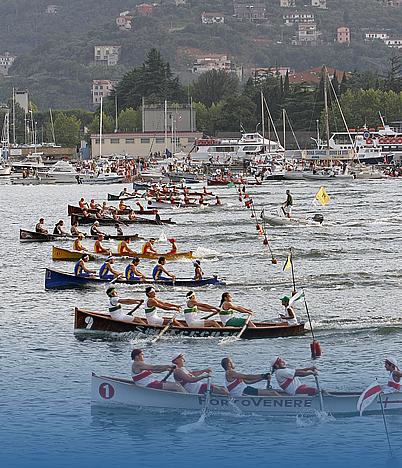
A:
<point x="263" y="120"/>
<point x="284" y="128"/>
<point x="115" y="113"/>
<point x="52" y="126"/>
<point x="100" y="127"/>
<point x="326" y="106"/>
<point x="14" y="116"/>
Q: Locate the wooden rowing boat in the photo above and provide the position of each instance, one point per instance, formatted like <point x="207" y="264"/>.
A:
<point x="58" y="253"/>
<point x="55" y="279"/>
<point x="76" y="210"/>
<point x="82" y="220"/>
<point x="97" y="321"/>
<point x="112" y="391"/>
<point x="32" y="236"/>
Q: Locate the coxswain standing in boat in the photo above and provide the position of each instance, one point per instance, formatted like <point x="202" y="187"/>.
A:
<point x="288" y="379"/>
<point x="98" y="247"/>
<point x="153" y="303"/>
<point x="394" y="376"/>
<point x="191" y="380"/>
<point x="173" y="246"/>
<point x="143" y="374"/>
<point x="288" y="205"/>
<point x="77" y="244"/>
<point x="159" y="269"/>
<point x="132" y="273"/>
<point x="95" y="231"/>
<point x="59" y="229"/>
<point x="115" y="309"/>
<point x="198" y="273"/>
<point x="81" y="270"/>
<point x="124" y="249"/>
<point x="227" y="310"/>
<point x="148" y="247"/>
<point x="107" y="272"/>
<point x="191" y="312"/>
<point x="290" y="315"/>
<point x="237" y="383"/>
<point x="40" y="227"/>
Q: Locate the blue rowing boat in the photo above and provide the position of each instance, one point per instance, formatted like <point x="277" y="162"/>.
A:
<point x="55" y="279"/>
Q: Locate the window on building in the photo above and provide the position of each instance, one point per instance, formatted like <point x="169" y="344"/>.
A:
<point x="130" y="141"/>
<point x="145" y="140"/>
<point x="159" y="140"/>
<point x="114" y="141"/>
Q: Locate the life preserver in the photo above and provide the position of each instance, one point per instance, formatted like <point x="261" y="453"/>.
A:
<point x="381" y="141"/>
<point x="399" y="141"/>
<point x="369" y="141"/>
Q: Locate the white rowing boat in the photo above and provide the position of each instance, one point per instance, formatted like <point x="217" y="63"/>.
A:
<point x="276" y="220"/>
<point x="112" y="391"/>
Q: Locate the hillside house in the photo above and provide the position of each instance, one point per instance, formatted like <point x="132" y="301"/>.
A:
<point x="181" y="2"/>
<point x="262" y="73"/>
<point x="307" y="35"/>
<point x="216" y="62"/>
<point x="287" y="3"/>
<point x="102" y="89"/>
<point x="107" y="54"/>
<point x="394" y="43"/>
<point x="295" y="18"/>
<point x="343" y="35"/>
<point x="145" y="9"/>
<point x="212" y="18"/>
<point x="6" y="60"/>
<point x="123" y="21"/>
<point x="376" y="36"/>
<point x="52" y="9"/>
<point x="319" y="4"/>
<point x="256" y="12"/>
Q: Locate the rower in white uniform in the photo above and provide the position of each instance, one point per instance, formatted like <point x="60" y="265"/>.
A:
<point x="191" y="312"/>
<point x="143" y="374"/>
<point x="153" y="303"/>
<point x="115" y="306"/>
<point x="290" y="315"/>
<point x="394" y="375"/>
<point x="288" y="379"/>
<point x="192" y="380"/>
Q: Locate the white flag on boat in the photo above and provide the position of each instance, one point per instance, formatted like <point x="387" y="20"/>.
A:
<point x="296" y="297"/>
<point x="162" y="237"/>
<point x="368" y="396"/>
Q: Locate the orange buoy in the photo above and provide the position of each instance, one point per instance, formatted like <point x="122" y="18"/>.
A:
<point x="315" y="348"/>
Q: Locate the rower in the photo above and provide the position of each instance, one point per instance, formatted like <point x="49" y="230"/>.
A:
<point x="93" y="205"/>
<point x="288" y="379"/>
<point x="201" y="200"/>
<point x="98" y="247"/>
<point x="94" y="229"/>
<point x="198" y="273"/>
<point x="40" y="227"/>
<point x="394" y="378"/>
<point x="59" y="229"/>
<point x="83" y="204"/>
<point x="191" y="380"/>
<point x="119" y="230"/>
<point x="148" y="247"/>
<point x="191" y="315"/>
<point x="122" y="205"/>
<point x="238" y="383"/>
<point x="159" y="268"/>
<point x="227" y="310"/>
<point x="124" y="249"/>
<point x="124" y="192"/>
<point x="287" y="206"/>
<point x="142" y="374"/>
<point x="218" y="201"/>
<point x="80" y="269"/>
<point x="77" y="244"/>
<point x="131" y="215"/>
<point x="173" y="248"/>
<point x="107" y="272"/>
<point x="115" y="309"/>
<point x="153" y="303"/>
<point x="140" y="207"/>
<point x="290" y="314"/>
<point x="132" y="273"/>
<point x="74" y="229"/>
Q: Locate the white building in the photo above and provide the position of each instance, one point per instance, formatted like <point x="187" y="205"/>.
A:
<point x="216" y="62"/>
<point x="372" y="36"/>
<point x="52" y="9"/>
<point x="394" y="43"/>
<point x="287" y="3"/>
<point x="212" y="18"/>
<point x="295" y="18"/>
<point x="102" y="89"/>
<point x="107" y="54"/>
<point x="6" y="61"/>
<point x="307" y="34"/>
<point x="181" y="2"/>
<point x="124" y="20"/>
<point x="261" y="73"/>
<point x="319" y="3"/>
<point x="22" y="99"/>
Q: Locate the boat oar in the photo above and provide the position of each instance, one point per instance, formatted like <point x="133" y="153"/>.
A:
<point x="164" y="329"/>
<point x="274" y="261"/>
<point x="243" y="328"/>
<point x="207" y="398"/>
<point x="385" y="423"/>
<point x="315" y="346"/>
<point x="136" y="307"/>
<point x="319" y="393"/>
<point x="169" y="374"/>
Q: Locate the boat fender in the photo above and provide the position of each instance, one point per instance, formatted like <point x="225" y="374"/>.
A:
<point x="315" y="348"/>
<point x="318" y="218"/>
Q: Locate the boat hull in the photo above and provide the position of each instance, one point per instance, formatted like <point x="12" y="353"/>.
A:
<point x="112" y="391"/>
<point x="60" y="280"/>
<point x="82" y="220"/>
<point x="95" y="321"/>
<point x="58" y="253"/>
<point x="32" y="236"/>
<point x="284" y="221"/>
<point x="76" y="210"/>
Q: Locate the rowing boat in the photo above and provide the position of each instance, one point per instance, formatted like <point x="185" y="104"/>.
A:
<point x="76" y="210"/>
<point x="113" y="391"/>
<point x="32" y="236"/>
<point x="107" y="221"/>
<point x="276" y="220"/>
<point x="98" y="321"/>
<point x="58" y="253"/>
<point x="55" y="279"/>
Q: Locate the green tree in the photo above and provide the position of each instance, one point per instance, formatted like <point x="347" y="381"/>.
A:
<point x="67" y="130"/>
<point x="108" y="124"/>
<point x="214" y="86"/>
<point x="237" y="112"/>
<point x="129" y="120"/>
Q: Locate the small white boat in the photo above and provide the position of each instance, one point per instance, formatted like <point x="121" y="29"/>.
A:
<point x="102" y="178"/>
<point x="5" y="170"/>
<point x="32" y="161"/>
<point x="117" y="392"/>
<point x="293" y="175"/>
<point x="32" y="180"/>
<point x="369" y="174"/>
<point x="62" y="173"/>
<point x="277" y="220"/>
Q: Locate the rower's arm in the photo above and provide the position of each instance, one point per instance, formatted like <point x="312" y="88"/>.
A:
<point x="154" y="368"/>
<point x="207" y="307"/>
<point x="180" y="375"/>
<point x="305" y="372"/>
<point x="397" y="374"/>
<point x="165" y="305"/>
<point x="240" y="309"/>
<point x="167" y="273"/>
<point x="248" y="378"/>
<point x="130" y="301"/>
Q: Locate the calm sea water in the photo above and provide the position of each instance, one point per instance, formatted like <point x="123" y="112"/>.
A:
<point x="350" y="268"/>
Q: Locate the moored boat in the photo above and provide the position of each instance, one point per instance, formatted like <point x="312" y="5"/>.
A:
<point x="76" y="210"/>
<point x="276" y="220"/>
<point x="32" y="236"/>
<point x="58" y="253"/>
<point x="97" y="321"/>
<point x="112" y="391"/>
<point x="122" y="220"/>
<point x="55" y="279"/>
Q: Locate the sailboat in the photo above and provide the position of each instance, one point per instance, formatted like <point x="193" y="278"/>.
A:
<point x="5" y="169"/>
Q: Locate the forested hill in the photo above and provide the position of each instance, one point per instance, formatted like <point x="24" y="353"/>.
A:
<point x="55" y="51"/>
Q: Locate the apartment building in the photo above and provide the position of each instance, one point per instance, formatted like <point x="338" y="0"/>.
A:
<point x="107" y="54"/>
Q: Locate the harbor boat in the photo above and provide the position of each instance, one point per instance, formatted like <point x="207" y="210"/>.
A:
<point x="32" y="161"/>
<point x="5" y="170"/>
<point x="97" y="321"/>
<point x="327" y="175"/>
<point x="55" y="279"/>
<point x="76" y="210"/>
<point x="160" y="205"/>
<point x="101" y="178"/>
<point x="276" y="220"/>
<point x="112" y="197"/>
<point x="82" y="220"/>
<point x="31" y="180"/>
<point x="118" y="392"/>
<point x="62" y="172"/>
<point x="33" y="236"/>
<point x="58" y="253"/>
